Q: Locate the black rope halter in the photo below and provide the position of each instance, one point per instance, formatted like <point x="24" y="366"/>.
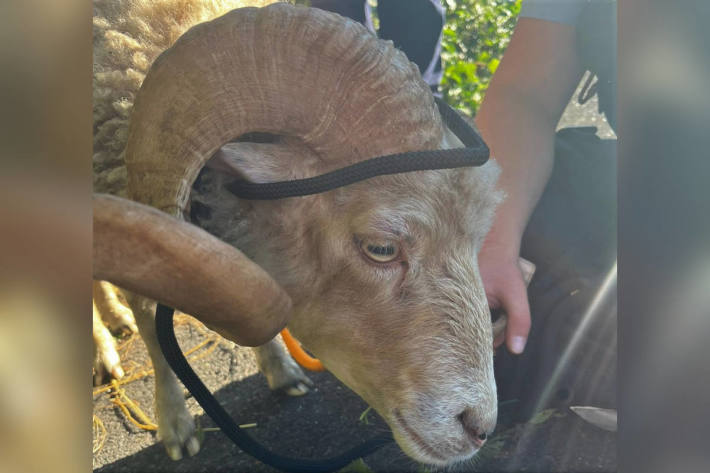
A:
<point x="475" y="153"/>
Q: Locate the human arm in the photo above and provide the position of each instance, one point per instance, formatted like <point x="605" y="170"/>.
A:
<point x="517" y="119"/>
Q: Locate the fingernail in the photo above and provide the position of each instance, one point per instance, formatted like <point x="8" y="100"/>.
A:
<point x="518" y="344"/>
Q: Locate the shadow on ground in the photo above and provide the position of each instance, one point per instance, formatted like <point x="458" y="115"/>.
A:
<point x="327" y="422"/>
<point x="321" y="424"/>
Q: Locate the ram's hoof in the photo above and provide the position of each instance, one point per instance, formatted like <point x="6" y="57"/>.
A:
<point x="298" y="390"/>
<point x="287" y="377"/>
<point x="176" y="427"/>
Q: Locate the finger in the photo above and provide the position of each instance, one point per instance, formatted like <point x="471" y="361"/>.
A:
<point x="515" y="302"/>
<point x="498" y="341"/>
<point x="499" y="327"/>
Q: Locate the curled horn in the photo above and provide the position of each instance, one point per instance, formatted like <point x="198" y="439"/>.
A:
<point x="321" y="79"/>
<point x="144" y="250"/>
<point x="281" y="69"/>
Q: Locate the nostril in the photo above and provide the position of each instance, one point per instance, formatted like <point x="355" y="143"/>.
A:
<point x="472" y="427"/>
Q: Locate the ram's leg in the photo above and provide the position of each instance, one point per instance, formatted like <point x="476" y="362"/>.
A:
<point x="281" y="371"/>
<point x="106" y="359"/>
<point x="112" y="309"/>
<point x="110" y="316"/>
<point x="176" y="427"/>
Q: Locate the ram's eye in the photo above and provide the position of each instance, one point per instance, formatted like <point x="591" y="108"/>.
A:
<point x="380" y="251"/>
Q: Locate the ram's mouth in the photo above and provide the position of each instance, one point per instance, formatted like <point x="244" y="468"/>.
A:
<point x="417" y="440"/>
<point x="414" y="445"/>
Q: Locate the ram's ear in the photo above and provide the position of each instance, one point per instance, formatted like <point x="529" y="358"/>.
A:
<point x="263" y="162"/>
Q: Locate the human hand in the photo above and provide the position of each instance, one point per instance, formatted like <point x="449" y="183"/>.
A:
<point x="505" y="279"/>
<point x="531" y="108"/>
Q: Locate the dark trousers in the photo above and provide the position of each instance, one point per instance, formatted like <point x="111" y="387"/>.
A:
<point x="414" y="26"/>
<point x="570" y="357"/>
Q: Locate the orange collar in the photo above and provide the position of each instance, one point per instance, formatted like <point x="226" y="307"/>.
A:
<point x="299" y="354"/>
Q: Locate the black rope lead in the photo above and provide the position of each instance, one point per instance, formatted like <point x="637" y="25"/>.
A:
<point x="176" y="360"/>
<point x="475" y="153"/>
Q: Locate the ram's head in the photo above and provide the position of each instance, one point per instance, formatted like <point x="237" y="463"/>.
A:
<point x="382" y="274"/>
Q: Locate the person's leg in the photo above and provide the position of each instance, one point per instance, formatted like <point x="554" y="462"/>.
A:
<point x="577" y="212"/>
<point x="570" y="357"/>
<point x="415" y="27"/>
<point x="354" y="9"/>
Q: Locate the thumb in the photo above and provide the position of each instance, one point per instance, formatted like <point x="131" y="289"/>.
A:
<point x="515" y="302"/>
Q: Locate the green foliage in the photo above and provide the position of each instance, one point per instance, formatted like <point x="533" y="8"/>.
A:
<point x="475" y="35"/>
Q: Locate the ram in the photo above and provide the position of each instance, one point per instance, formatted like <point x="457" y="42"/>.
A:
<point x="382" y="274"/>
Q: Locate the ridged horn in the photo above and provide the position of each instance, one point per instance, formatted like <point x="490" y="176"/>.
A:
<point x="161" y="257"/>
<point x="280" y="69"/>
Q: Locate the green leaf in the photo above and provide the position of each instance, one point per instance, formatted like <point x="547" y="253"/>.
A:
<point x="358" y="466"/>
<point x="543" y="416"/>
<point x="363" y="416"/>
